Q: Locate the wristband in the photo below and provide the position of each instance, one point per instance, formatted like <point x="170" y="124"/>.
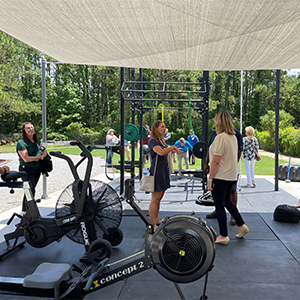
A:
<point x="209" y="179"/>
<point x="5" y="171"/>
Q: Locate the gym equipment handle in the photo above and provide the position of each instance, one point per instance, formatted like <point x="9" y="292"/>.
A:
<point x="100" y="268"/>
<point x="68" y="159"/>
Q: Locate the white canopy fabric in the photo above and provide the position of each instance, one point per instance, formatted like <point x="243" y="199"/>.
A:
<point x="160" y="34"/>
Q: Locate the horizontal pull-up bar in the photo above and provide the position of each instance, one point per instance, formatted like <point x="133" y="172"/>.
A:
<point x="167" y="100"/>
<point x="158" y="107"/>
<point x="164" y="82"/>
<point x="164" y="89"/>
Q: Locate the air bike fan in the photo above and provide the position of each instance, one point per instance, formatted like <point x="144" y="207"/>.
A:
<point x="103" y="211"/>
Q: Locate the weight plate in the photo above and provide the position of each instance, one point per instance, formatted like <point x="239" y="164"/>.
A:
<point x="131" y="132"/>
<point x="199" y="149"/>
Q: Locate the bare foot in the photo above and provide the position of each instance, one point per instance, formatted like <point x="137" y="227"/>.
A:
<point x="157" y="222"/>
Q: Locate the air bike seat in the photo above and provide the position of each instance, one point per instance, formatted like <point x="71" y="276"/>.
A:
<point x="10" y="180"/>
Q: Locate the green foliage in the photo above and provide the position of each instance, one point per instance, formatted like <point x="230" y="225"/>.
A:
<point x="289" y="141"/>
<point x="265" y="141"/>
<point x="55" y="136"/>
<point x="89" y="97"/>
<point x="15" y="108"/>
<point x="76" y="131"/>
<point x="264" y="167"/>
<point x="268" y="121"/>
<point x="179" y="132"/>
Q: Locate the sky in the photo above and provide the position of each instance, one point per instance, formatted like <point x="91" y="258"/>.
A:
<point x="294" y="71"/>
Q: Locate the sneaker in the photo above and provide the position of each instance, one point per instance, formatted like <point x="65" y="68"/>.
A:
<point x="212" y="215"/>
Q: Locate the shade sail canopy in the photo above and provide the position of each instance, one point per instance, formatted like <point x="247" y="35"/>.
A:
<point x="161" y="34"/>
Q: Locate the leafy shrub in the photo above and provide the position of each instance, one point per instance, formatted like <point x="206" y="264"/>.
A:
<point x="74" y="130"/>
<point x="265" y="141"/>
<point x="289" y="141"/>
<point x="268" y="121"/>
<point x="55" y="136"/>
<point x="91" y="137"/>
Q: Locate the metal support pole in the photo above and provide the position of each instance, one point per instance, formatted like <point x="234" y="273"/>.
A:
<point x="122" y="128"/>
<point x="277" y="127"/>
<point x="141" y="127"/>
<point x="241" y="104"/>
<point x="205" y="126"/>
<point x="241" y="128"/>
<point x="44" y="119"/>
<point x="133" y="122"/>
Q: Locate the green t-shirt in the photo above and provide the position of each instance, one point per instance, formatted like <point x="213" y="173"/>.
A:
<point x="32" y="149"/>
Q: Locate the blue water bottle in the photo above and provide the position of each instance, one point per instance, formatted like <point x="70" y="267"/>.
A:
<point x="41" y="149"/>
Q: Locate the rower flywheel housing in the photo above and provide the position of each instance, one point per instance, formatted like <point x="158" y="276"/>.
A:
<point x="183" y="248"/>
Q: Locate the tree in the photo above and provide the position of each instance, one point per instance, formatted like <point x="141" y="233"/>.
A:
<point x="268" y="121"/>
<point x="14" y="108"/>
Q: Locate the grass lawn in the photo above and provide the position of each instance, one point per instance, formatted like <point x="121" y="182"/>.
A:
<point x="264" y="167"/>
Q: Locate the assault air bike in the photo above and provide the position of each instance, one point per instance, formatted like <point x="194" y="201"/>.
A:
<point x="88" y="212"/>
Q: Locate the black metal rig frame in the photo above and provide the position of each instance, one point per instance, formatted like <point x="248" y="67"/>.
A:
<point x="136" y="98"/>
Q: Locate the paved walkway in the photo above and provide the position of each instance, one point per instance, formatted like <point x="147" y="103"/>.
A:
<point x="280" y="156"/>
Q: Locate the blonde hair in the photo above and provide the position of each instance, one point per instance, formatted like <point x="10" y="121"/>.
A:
<point x="224" y="123"/>
<point x="156" y="135"/>
<point x="249" y="130"/>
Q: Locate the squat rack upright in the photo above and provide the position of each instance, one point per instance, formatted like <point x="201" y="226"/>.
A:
<point x="134" y="90"/>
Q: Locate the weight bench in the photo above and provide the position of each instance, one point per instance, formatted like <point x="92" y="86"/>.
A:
<point x="48" y="276"/>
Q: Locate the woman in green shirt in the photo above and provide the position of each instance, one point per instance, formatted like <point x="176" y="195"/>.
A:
<point x="27" y="149"/>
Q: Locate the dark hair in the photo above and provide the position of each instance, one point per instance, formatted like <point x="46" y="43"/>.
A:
<point x="24" y="134"/>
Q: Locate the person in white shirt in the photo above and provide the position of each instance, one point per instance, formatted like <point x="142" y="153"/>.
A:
<point x="111" y="140"/>
<point x="223" y="156"/>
